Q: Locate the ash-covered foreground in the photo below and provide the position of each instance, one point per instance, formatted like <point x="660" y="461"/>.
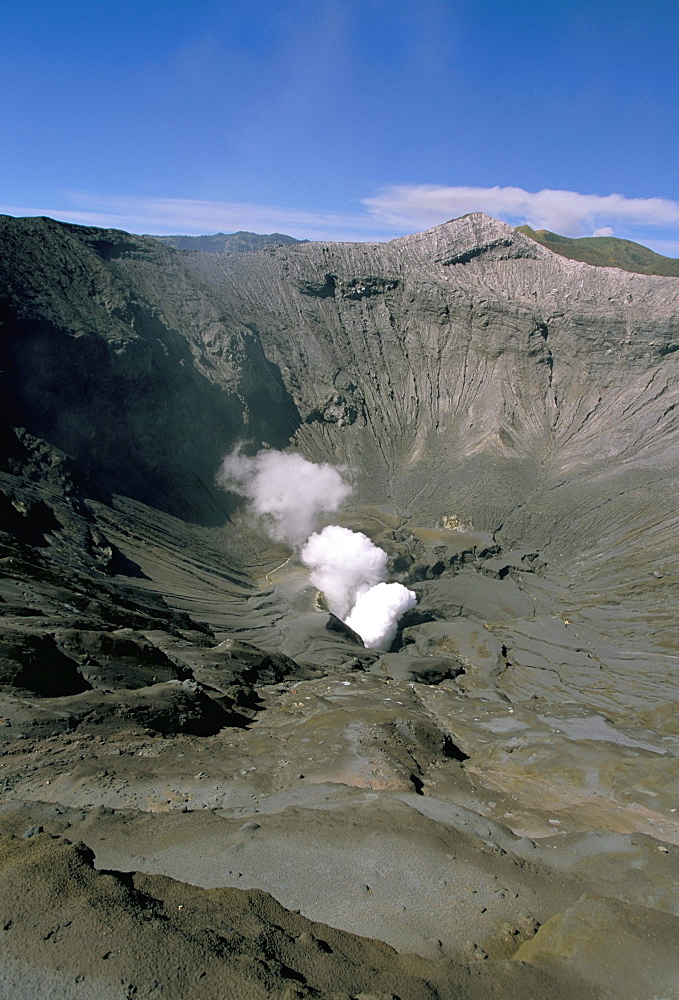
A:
<point x="495" y="798"/>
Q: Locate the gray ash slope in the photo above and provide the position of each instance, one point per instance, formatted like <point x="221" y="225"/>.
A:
<point x="509" y="419"/>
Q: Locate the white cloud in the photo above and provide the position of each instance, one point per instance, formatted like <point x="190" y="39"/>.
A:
<point x="567" y="212"/>
<point x="167" y="216"/>
<point x="392" y="212"/>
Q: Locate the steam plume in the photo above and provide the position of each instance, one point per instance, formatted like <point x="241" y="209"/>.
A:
<point x="289" y="493"/>
<point x="342" y="563"/>
<point x="376" y="613"/>
<point x="285" y="490"/>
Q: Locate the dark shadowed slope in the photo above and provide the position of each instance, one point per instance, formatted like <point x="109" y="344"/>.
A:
<point x="101" y="356"/>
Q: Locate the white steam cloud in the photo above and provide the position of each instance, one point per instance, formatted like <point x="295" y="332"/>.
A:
<point x="350" y="570"/>
<point x="342" y="563"/>
<point x="285" y="490"/>
<point x="376" y="613"/>
<point x="417" y="206"/>
<point x="288" y="494"/>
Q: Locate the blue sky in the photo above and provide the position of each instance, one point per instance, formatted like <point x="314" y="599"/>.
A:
<point x="342" y="119"/>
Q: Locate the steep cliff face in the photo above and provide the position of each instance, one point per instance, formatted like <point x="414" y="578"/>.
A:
<point x="468" y="346"/>
<point x="101" y="357"/>
<point x="509" y="420"/>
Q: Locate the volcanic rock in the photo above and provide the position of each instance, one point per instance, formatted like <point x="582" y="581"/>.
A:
<point x="503" y="783"/>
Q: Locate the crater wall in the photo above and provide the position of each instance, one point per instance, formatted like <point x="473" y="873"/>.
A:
<point x="174" y="692"/>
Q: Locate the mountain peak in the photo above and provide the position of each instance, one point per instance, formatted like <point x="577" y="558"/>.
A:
<point x="461" y="240"/>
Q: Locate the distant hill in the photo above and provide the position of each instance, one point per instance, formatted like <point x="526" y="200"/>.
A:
<point x="232" y="242"/>
<point x="606" y="251"/>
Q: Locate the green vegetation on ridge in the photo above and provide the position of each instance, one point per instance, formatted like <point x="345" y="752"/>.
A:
<point x="606" y="251"/>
